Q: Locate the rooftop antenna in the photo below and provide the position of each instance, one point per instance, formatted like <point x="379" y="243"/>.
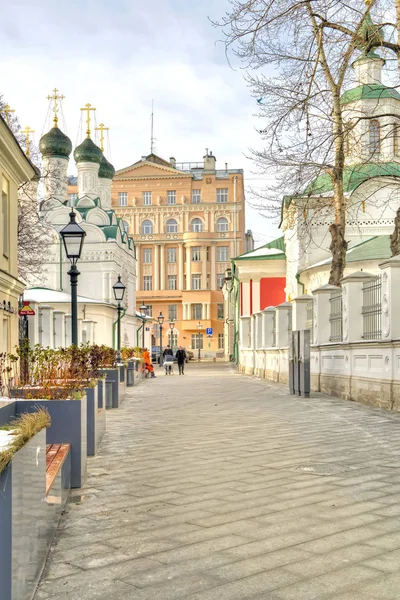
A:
<point x="152" y="128"/>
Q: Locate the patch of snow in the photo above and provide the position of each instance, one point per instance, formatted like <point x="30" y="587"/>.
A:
<point x="6" y="438"/>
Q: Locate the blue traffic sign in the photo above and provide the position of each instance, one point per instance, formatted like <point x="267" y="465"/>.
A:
<point x="208" y="330"/>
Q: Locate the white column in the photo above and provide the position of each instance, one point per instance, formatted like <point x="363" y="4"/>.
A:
<point x="203" y="256"/>
<point x="245" y="333"/>
<point x="88" y="180"/>
<point x="188" y="273"/>
<point x="204" y="310"/>
<point x="300" y="311"/>
<point x="322" y="327"/>
<point x="59" y="328"/>
<point x="282" y="324"/>
<point x="352" y="299"/>
<point x="208" y="308"/>
<point x="156" y="268"/>
<point x="258" y="331"/>
<point x="390" y="298"/>
<point x="180" y="266"/>
<point x="105" y="193"/>
<point x="68" y="338"/>
<point x="213" y="283"/>
<point x="268" y="315"/>
<point x="162" y="267"/>
<point x="47" y="326"/>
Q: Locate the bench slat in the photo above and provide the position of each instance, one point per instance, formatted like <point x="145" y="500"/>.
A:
<point x="55" y="456"/>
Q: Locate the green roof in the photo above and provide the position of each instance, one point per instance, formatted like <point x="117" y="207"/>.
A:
<point x="353" y="177"/>
<point x="55" y="144"/>
<point x="88" y="152"/>
<point x="376" y="248"/>
<point x="370" y="91"/>
<point x="266" y="252"/>
<point x="110" y="231"/>
<point x="106" y="170"/>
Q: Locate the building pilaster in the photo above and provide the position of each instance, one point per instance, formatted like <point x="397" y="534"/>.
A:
<point x="156" y="268"/>
<point x="180" y="266"/>
<point x="188" y="272"/>
<point x="162" y="267"/>
<point x="213" y="283"/>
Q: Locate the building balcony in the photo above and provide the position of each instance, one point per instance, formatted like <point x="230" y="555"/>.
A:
<point x="191" y="325"/>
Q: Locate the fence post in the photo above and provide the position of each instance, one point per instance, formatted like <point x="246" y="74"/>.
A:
<point x="352" y="298"/>
<point x="283" y="324"/>
<point x="391" y="298"/>
<point x="269" y="327"/>
<point x="299" y="314"/>
<point x="245" y="333"/>
<point x="322" y="310"/>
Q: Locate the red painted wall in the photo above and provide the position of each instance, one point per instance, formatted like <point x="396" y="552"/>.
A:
<point x="272" y="291"/>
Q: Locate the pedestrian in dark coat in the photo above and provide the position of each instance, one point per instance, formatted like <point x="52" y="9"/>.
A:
<point x="180" y="358"/>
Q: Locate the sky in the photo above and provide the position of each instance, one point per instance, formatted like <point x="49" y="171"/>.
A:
<point x="120" y="55"/>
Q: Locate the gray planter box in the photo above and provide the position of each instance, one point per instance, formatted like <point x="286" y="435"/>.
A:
<point x="68" y="426"/>
<point x="112" y="388"/>
<point x="101" y="393"/>
<point x="91" y="419"/>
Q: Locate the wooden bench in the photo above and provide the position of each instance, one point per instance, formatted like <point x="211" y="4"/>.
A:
<point x="55" y="457"/>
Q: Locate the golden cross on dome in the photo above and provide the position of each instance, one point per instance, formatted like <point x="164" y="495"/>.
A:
<point x="27" y="131"/>
<point x="102" y="128"/>
<point x="88" y="108"/>
<point x="55" y="97"/>
<point x="7" y="110"/>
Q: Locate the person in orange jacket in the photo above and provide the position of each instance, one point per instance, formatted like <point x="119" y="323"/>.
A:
<point x="147" y="363"/>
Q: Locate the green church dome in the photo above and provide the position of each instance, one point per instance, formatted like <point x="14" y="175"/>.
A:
<point x="106" y="170"/>
<point x="88" y="152"/>
<point x="55" y="143"/>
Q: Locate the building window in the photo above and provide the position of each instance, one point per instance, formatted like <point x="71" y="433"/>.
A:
<point x="72" y="198"/>
<point x="196" y="225"/>
<point x="148" y="283"/>
<point x="220" y="341"/>
<point x="149" y="310"/>
<point x="122" y="198"/>
<point x="222" y="195"/>
<point x="197" y="341"/>
<point x="147" y="255"/>
<point x="374" y="137"/>
<point x="172" y="282"/>
<point x="172" y="226"/>
<point x="147" y="227"/>
<point x="5" y="216"/>
<point x="396" y="145"/>
<point x="220" y="280"/>
<point x="222" y="224"/>
<point x="196" y="281"/>
<point x="146" y="198"/>
<point x="172" y="339"/>
<point x="197" y="311"/>
<point x="196" y="254"/>
<point x="172" y="312"/>
<point x="125" y="225"/>
<point x="171" y="197"/>
<point x="222" y="253"/>
<point x="171" y="255"/>
<point x="220" y="311"/>
<point x="196" y="196"/>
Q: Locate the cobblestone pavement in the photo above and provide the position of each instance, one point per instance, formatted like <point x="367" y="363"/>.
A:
<point x="217" y="486"/>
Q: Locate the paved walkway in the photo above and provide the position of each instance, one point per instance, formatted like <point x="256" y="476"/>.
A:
<point x="216" y="486"/>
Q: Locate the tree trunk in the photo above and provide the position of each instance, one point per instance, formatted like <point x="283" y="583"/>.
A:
<point x="395" y="237"/>
<point x="338" y="250"/>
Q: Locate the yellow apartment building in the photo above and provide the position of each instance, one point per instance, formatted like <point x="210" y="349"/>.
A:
<point x="15" y="168"/>
<point x="188" y="221"/>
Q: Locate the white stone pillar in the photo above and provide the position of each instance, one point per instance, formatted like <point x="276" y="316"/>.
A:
<point x="188" y="270"/>
<point x="180" y="266"/>
<point x="299" y="313"/>
<point x="55" y="178"/>
<point x="59" y="328"/>
<point x="259" y="331"/>
<point x="68" y="334"/>
<point x="162" y="267"/>
<point x="213" y="283"/>
<point x="352" y="299"/>
<point x="390" y="298"/>
<point x="322" y="311"/>
<point x="47" y="337"/>
<point x="253" y="332"/>
<point x="105" y="192"/>
<point x="33" y="325"/>
<point x="268" y="329"/>
<point x="156" y="268"/>
<point x="89" y="326"/>
<point x="203" y="256"/>
<point x="283" y="320"/>
<point x="88" y="180"/>
<point x="245" y="332"/>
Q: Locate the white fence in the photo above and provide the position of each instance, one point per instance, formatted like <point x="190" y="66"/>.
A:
<point x="355" y="337"/>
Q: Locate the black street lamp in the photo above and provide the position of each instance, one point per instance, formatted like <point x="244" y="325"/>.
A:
<point x="198" y="343"/>
<point x="73" y="236"/>
<point x="160" y="320"/>
<point x="119" y="292"/>
<point x="171" y="328"/>
<point x="143" y="314"/>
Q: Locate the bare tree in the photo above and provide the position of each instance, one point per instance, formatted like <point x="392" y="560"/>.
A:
<point x="298" y="54"/>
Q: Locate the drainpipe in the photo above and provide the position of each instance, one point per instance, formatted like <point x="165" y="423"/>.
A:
<point x="236" y="306"/>
<point x="300" y="283"/>
<point x="137" y="334"/>
<point x="115" y="325"/>
<point x="61" y="273"/>
<point x="234" y="215"/>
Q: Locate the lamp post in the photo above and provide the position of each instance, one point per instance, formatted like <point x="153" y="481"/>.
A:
<point x="143" y="313"/>
<point x="119" y="292"/>
<point x="198" y="339"/>
<point x="171" y="328"/>
<point x="73" y="237"/>
<point x="160" y="320"/>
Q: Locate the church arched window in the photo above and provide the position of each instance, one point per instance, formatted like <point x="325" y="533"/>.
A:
<point x="374" y="137"/>
<point x="396" y="145"/>
<point x="196" y="225"/>
<point x="147" y="227"/>
<point x="126" y="226"/>
<point x="222" y="224"/>
<point x="172" y="226"/>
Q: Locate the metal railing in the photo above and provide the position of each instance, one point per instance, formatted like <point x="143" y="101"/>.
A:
<point x="310" y="319"/>
<point x="336" y="317"/>
<point x="372" y="309"/>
